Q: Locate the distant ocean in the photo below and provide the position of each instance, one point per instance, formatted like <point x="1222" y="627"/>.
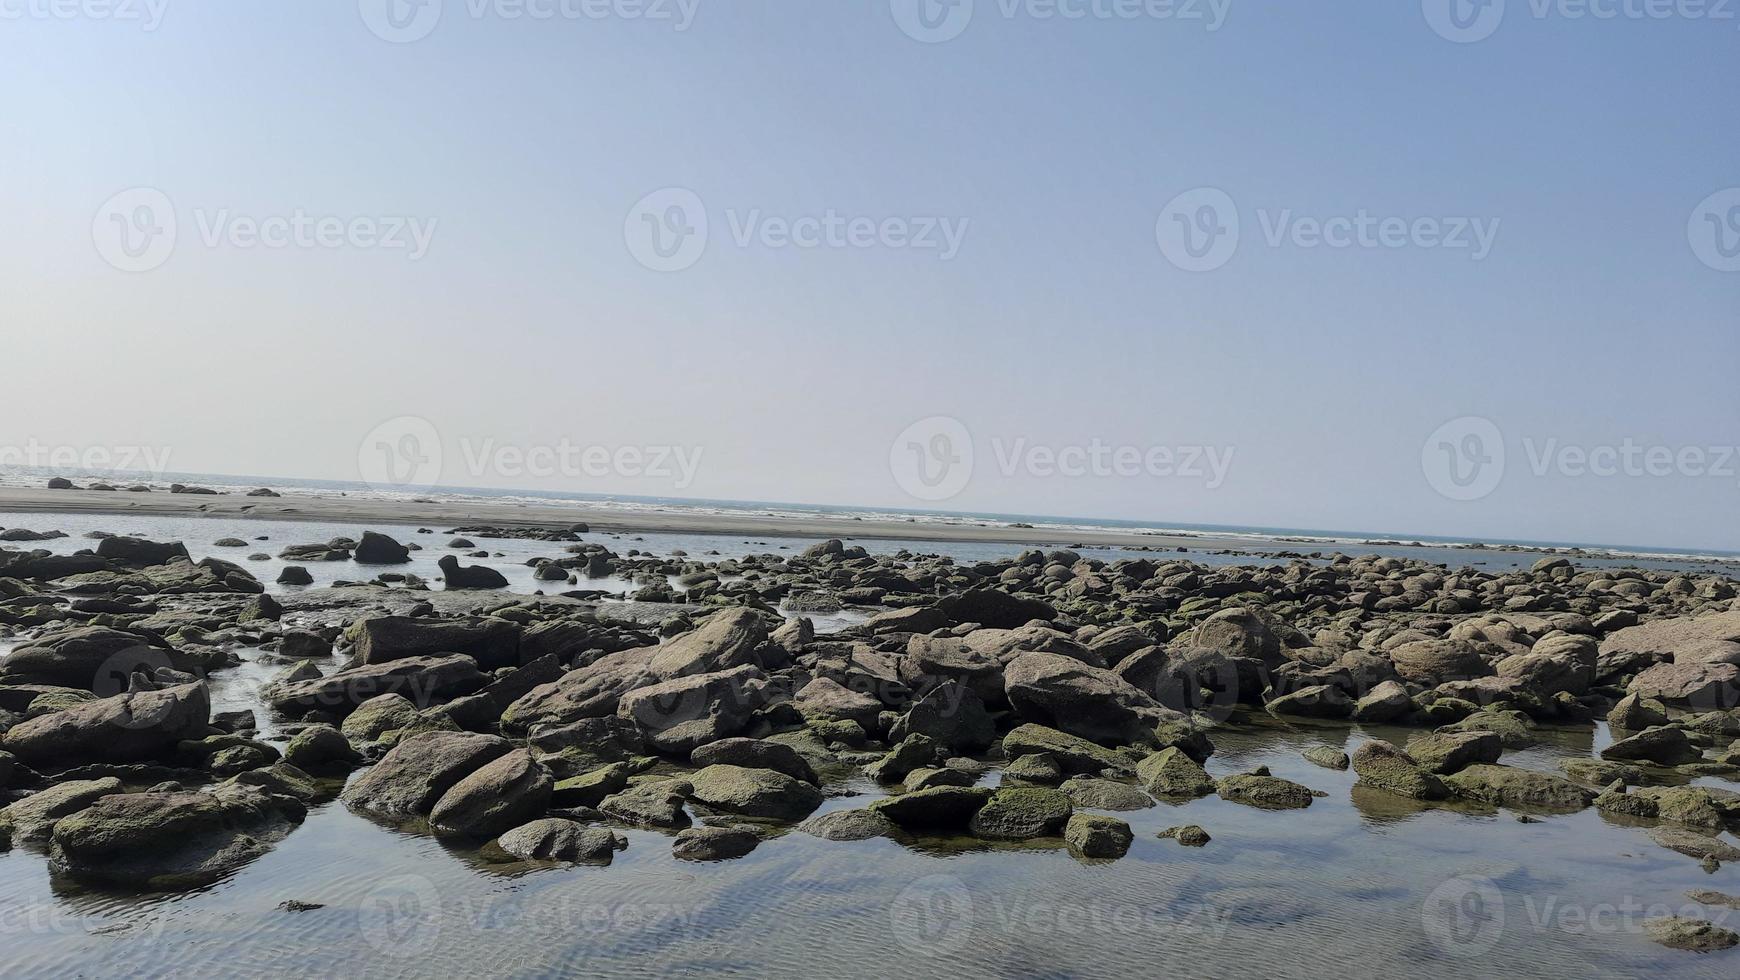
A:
<point x="35" y="477"/>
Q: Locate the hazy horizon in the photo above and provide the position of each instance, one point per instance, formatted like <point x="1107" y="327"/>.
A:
<point x="1478" y="285"/>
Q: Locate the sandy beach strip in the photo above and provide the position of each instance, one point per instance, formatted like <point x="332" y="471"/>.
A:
<point x="453" y="513"/>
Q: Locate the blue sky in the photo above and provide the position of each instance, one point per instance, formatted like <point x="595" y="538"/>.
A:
<point x="1052" y="146"/>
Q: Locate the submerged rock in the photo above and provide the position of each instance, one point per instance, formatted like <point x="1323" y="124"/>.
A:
<point x="1096" y="835"/>
<point x="170" y="840"/>
<point x="555" y="839"/>
<point x="713" y="843"/>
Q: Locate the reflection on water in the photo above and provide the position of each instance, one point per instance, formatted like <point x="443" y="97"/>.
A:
<point x="1360" y="884"/>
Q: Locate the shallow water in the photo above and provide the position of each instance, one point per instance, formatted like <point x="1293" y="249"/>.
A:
<point x="1360" y="884"/>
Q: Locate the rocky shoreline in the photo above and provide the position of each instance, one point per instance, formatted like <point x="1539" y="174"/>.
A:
<point x="1031" y="698"/>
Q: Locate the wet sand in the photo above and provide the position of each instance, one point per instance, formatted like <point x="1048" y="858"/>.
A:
<point x="451" y="513"/>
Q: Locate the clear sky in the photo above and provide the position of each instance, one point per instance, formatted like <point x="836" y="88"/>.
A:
<point x="1062" y="152"/>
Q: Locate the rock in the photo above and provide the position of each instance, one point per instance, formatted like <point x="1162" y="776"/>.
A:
<point x="932" y="660"/>
<point x="1036" y="767"/>
<point x="590" y="788"/>
<point x="557" y="840"/>
<point x="1509" y="786"/>
<point x="1170" y="772"/>
<point x="1599" y="773"/>
<point x="823" y="699"/>
<point x="1239" y="632"/>
<point x="1514" y="729"/>
<point x="131" y="727"/>
<point x="378" y="549"/>
<point x="321" y="748"/>
<point x="138" y="551"/>
<point x="415" y="775"/>
<point x="657" y="804"/>
<point x="1190" y="835"/>
<point x="927" y="776"/>
<point x="1327" y="757"/>
<point x="1092" y="793"/>
<point x="295" y="575"/>
<point x="1444" y="753"/>
<point x="377" y="716"/>
<point x="60" y="483"/>
<point x="713" y="843"/>
<point x="754" y="793"/>
<point x="94" y="658"/>
<point x="1095" y="835"/>
<point x="754" y="753"/>
<point x="1437" y="661"/>
<point x="424" y="680"/>
<point x="1076" y="756"/>
<point x="1387" y="702"/>
<point x="1706" y="896"/>
<point x="848" y="825"/>
<point x="1021" y="814"/>
<point x="458" y="577"/>
<point x="1661" y="745"/>
<point x="1315" y="701"/>
<point x="32" y="819"/>
<point x="170" y="840"/>
<point x="1634" y="713"/>
<point x="301" y="645"/>
<point x="911" y="753"/>
<point x="1695" y="935"/>
<point x="1706" y="686"/>
<point x="1694" y="844"/>
<point x="683" y="714"/>
<point x="1383" y="766"/>
<point x="1261" y="790"/>
<point x="493" y="643"/>
<point x="494" y="799"/>
<point x="1075" y="698"/>
<point x="952" y="714"/>
<point x="994" y="608"/>
<point x="942" y="807"/>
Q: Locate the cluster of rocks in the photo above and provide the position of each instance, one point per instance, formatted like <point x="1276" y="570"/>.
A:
<point x="538" y="726"/>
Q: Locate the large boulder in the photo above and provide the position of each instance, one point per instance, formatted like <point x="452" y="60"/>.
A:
<point x="554" y="839"/>
<point x="755" y="753"/>
<point x="1637" y="646"/>
<point x="934" y="660"/>
<point x="995" y="608"/>
<point x="499" y="796"/>
<point x="1071" y="696"/>
<point x="95" y="658"/>
<point x="459" y="577"/>
<point x="493" y="643"/>
<point x="1444" y="753"/>
<point x="1264" y="791"/>
<point x="1661" y="745"/>
<point x="138" y="551"/>
<point x="426" y="681"/>
<point x="937" y="808"/>
<point x="412" y="777"/>
<point x="1171" y="773"/>
<point x="1022" y="813"/>
<point x="1095" y="835"/>
<point x="1707" y="686"/>
<point x="655" y="804"/>
<point x="1561" y="662"/>
<point x="1438" y="661"/>
<point x="130" y="727"/>
<point x="32" y="819"/>
<point x="746" y="792"/>
<point x="691" y="710"/>
<point x="1509" y="786"/>
<point x="592" y="691"/>
<point x="1382" y="765"/>
<point x="1239" y="632"/>
<point x="1314" y="701"/>
<point x="170" y="840"/>
<point x="952" y="714"/>
<point x="823" y="699"/>
<point x="1389" y="701"/>
<point x="731" y="638"/>
<point x="1076" y="755"/>
<point x="378" y="549"/>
